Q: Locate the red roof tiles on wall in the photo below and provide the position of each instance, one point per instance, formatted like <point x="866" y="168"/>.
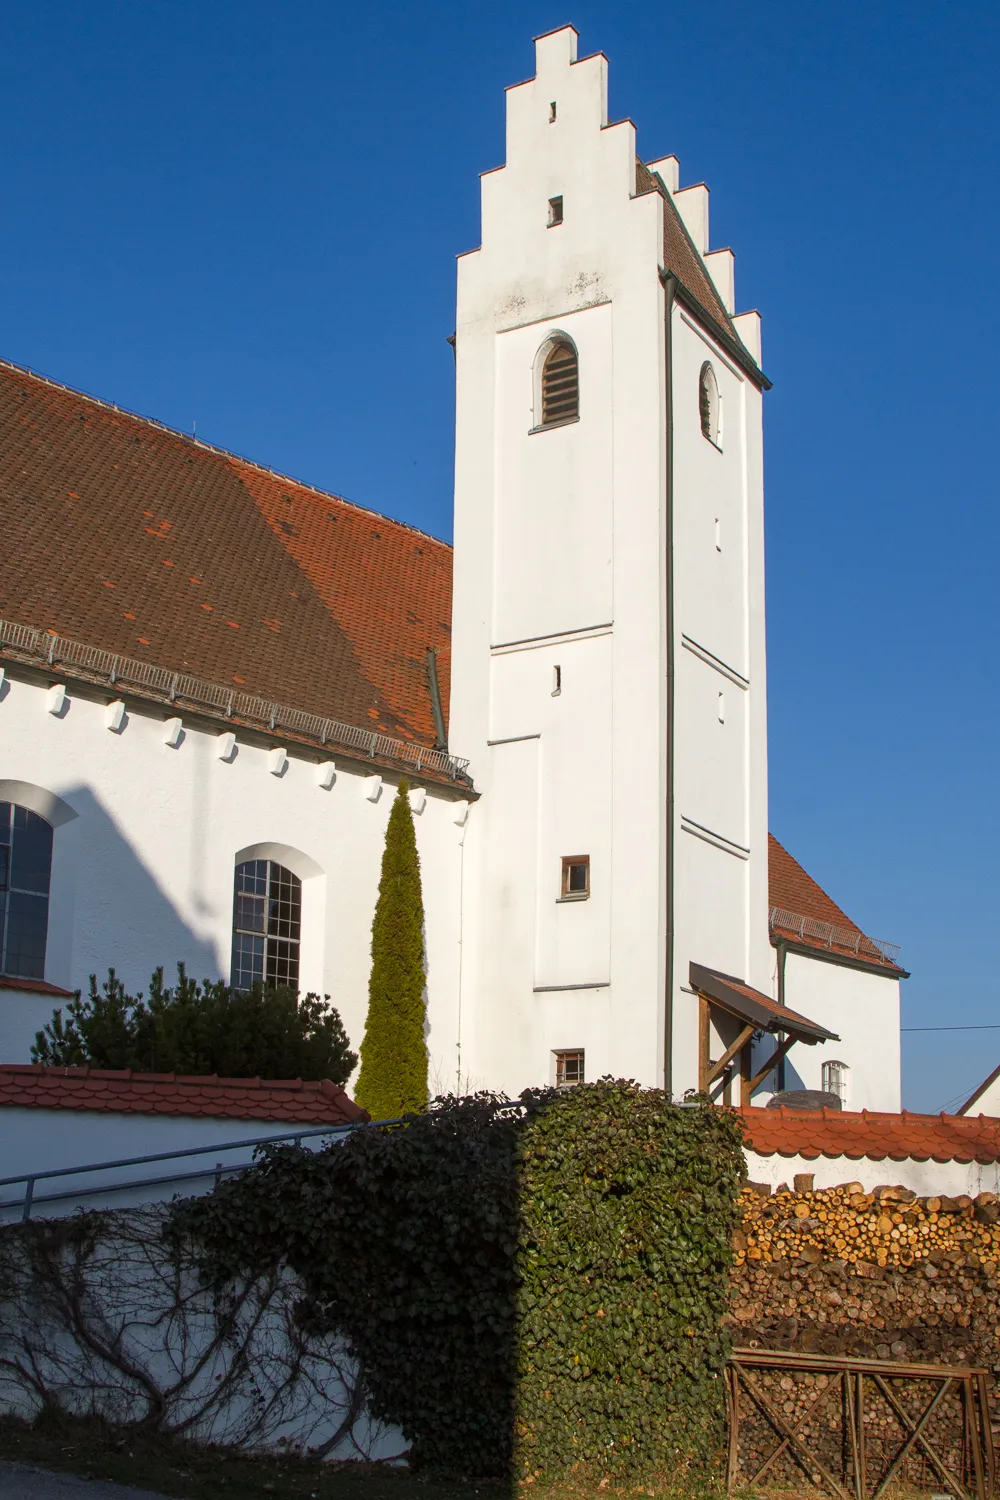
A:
<point x="142" y="541"/>
<point x="902" y="1137"/>
<point x="31" y="1086"/>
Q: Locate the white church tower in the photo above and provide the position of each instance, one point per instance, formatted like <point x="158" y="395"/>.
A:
<point x="609" y="657"/>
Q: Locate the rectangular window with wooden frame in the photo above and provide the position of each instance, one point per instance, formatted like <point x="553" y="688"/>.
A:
<point x="569" y="1068"/>
<point x="575" y="877"/>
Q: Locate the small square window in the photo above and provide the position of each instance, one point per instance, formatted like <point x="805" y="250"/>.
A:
<point x="555" y="211"/>
<point x="575" y="877"/>
<point x="569" y="1068"/>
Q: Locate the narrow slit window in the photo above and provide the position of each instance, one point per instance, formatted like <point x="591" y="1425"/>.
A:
<point x="556" y="681"/>
<point x="560" y="384"/>
<point x="570" y="1068"/>
<point x="575" y="877"/>
<point x="552" y="112"/>
<point x="555" y="211"/>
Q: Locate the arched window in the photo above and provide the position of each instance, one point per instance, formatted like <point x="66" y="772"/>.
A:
<point x="560" y="384"/>
<point x="708" y="404"/>
<point x="835" y="1079"/>
<point x="25" y="870"/>
<point x="267" y="925"/>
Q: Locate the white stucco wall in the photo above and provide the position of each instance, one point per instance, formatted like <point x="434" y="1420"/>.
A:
<point x="560" y="559"/>
<point x="56" y="1140"/>
<point x="921" y="1177"/>
<point x="860" y="1007"/>
<point x="143" y="873"/>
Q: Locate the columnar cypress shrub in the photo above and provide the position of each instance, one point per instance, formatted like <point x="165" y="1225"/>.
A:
<point x="393" y="1076"/>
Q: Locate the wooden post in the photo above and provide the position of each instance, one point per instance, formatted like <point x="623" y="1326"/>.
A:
<point x="704" y="1043"/>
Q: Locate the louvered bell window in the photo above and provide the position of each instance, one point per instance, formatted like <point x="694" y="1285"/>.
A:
<point x="560" y="385"/>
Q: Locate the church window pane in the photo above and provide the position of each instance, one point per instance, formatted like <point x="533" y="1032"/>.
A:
<point x="560" y="384"/>
<point x="835" y="1079"/>
<point x="25" y="872"/>
<point x="267" y="925"/>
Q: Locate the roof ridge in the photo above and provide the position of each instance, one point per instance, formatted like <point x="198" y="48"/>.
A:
<point x="130" y="1075"/>
<point x="196" y="442"/>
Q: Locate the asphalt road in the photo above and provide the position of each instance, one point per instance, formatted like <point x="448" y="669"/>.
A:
<point x="18" y="1482"/>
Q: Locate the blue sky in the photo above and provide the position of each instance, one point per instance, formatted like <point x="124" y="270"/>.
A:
<point x="246" y="215"/>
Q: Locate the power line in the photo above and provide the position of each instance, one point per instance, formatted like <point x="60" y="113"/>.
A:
<point x="950" y="1028"/>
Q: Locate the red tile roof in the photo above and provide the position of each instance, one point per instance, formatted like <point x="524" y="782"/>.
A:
<point x="902" y="1137"/>
<point x="140" y="540"/>
<point x="792" y="891"/>
<point x="30" y="1086"/>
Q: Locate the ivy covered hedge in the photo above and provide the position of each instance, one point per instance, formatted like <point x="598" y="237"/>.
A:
<point x="525" y="1288"/>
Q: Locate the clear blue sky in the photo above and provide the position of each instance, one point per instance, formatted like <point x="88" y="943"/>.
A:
<point x="247" y="215"/>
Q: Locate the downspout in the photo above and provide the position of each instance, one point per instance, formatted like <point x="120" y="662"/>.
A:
<point x="669" y="292"/>
<point x="782" y="955"/>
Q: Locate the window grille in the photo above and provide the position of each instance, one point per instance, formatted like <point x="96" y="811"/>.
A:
<point x="25" y="871"/>
<point x="835" y="1079"/>
<point x="708" y="403"/>
<point x="560" y="385"/>
<point x="569" y="1068"/>
<point x="267" y="925"/>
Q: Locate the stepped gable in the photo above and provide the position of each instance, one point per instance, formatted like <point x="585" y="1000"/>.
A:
<point x="31" y="1086"/>
<point x="137" y="539"/>
<point x="681" y="257"/>
<point x="791" y="889"/>
<point x="842" y="1133"/>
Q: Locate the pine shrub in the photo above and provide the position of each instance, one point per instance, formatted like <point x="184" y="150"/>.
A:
<point x="393" y="1077"/>
<point x="267" y="1031"/>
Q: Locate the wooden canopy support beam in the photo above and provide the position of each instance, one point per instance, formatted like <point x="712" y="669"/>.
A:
<point x="717" y="1069"/>
<point x="749" y="1084"/>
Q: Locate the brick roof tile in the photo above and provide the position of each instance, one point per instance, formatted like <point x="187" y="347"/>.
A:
<point x="31" y="1086"/>
<point x="140" y="540"/>
<point x="872" y="1135"/>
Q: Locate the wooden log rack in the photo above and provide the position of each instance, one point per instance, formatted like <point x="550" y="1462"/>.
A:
<point x="852" y="1386"/>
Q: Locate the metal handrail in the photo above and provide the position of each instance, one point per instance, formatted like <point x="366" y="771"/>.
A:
<point x="53" y="649"/>
<point x="830" y="934"/>
<point x="29" y="1179"/>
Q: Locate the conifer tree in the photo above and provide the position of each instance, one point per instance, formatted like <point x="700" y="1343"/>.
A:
<point x="393" y="1076"/>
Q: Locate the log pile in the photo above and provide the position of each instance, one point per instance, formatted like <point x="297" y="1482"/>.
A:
<point x="886" y="1275"/>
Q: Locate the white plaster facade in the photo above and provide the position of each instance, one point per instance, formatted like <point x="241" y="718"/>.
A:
<point x="608" y="687"/>
<point x="147" y="837"/>
<point x="563" y="544"/>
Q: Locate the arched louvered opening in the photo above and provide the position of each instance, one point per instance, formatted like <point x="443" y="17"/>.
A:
<point x="560" y="384"/>
<point x="708" y="404"/>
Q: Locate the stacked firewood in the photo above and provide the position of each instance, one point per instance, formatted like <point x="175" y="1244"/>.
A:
<point x="885" y="1273"/>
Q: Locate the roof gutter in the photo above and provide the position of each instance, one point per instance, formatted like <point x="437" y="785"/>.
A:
<point x="670" y="287"/>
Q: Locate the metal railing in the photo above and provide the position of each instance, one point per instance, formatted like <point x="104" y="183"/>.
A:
<point x="55" y="650"/>
<point x="28" y="1199"/>
<point x="833" y="936"/>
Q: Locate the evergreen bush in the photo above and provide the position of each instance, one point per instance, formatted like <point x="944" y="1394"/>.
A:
<point x="525" y="1288"/>
<point x="393" y="1077"/>
<point x="263" y="1032"/>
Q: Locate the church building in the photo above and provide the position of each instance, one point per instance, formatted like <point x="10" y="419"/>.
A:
<point x="215" y="677"/>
